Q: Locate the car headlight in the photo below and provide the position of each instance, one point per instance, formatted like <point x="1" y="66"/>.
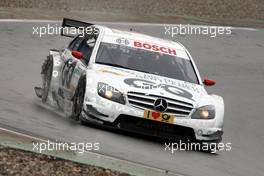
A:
<point x="110" y="93"/>
<point x="204" y="112"/>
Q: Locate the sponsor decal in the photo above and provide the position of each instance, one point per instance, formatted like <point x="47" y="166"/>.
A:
<point x="158" y="116"/>
<point x="162" y="81"/>
<point x="77" y="71"/>
<point x="122" y="41"/>
<point x="111" y="71"/>
<point x="155" y="48"/>
<point x="144" y="84"/>
<point x="182" y="84"/>
<point x="67" y="72"/>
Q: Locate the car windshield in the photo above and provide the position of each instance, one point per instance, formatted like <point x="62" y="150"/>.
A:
<point x="146" y="61"/>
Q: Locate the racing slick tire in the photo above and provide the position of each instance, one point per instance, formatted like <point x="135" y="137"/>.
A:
<point x="85" y="122"/>
<point x="78" y="99"/>
<point x="46" y="72"/>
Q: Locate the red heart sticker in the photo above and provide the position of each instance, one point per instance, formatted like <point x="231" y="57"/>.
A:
<point x="155" y="115"/>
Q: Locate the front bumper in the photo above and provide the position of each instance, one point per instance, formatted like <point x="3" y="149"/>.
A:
<point x="130" y="118"/>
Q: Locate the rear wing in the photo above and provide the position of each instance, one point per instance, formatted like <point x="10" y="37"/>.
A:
<point x="69" y="24"/>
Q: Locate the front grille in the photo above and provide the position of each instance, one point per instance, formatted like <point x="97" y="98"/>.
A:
<point x="143" y="101"/>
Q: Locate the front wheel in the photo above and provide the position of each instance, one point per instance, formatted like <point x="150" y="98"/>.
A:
<point x="78" y="99"/>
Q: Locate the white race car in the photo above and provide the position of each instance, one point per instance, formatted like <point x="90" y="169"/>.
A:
<point x="133" y="82"/>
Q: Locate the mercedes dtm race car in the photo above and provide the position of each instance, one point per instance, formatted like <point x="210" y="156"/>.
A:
<point x="133" y="82"/>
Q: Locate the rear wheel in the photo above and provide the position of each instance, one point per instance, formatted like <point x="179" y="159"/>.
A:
<point x="78" y="99"/>
<point x="46" y="71"/>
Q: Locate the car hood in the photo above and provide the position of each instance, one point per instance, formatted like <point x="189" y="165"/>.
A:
<point x="126" y="80"/>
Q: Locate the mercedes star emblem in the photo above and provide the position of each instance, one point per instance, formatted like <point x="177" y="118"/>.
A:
<point x="160" y="105"/>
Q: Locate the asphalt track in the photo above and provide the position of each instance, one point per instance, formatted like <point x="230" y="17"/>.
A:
<point x="235" y="61"/>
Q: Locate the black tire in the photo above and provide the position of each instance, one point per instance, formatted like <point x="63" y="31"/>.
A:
<point x="83" y="121"/>
<point x="46" y="71"/>
<point x="78" y="99"/>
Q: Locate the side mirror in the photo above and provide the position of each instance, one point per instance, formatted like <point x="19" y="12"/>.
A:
<point x="91" y="42"/>
<point x="209" y="82"/>
<point x="77" y="54"/>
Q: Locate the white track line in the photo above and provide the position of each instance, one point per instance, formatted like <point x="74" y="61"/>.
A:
<point x="21" y="134"/>
<point x="28" y="21"/>
<point x="117" y="23"/>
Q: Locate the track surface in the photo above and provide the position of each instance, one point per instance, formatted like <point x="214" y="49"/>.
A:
<point x="235" y="61"/>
